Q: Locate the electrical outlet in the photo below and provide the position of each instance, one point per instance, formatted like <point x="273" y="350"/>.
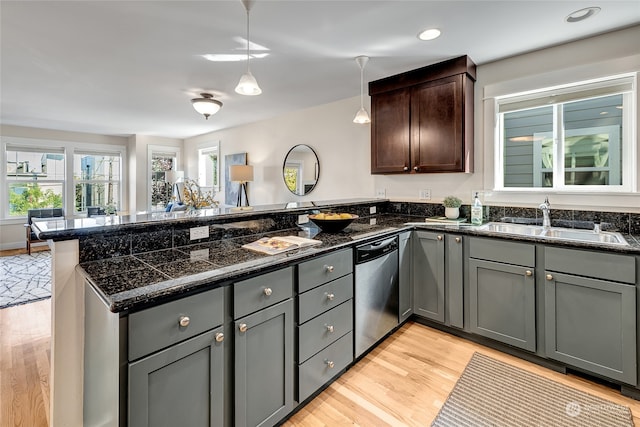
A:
<point x="200" y="254"/>
<point x="424" y="194"/>
<point x="372" y="210"/>
<point x="199" y="232"/>
<point x="303" y="219"/>
<point x="373" y="221"/>
<point x="381" y="192"/>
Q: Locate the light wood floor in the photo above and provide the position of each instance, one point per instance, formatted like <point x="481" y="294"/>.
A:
<point x="404" y="381"/>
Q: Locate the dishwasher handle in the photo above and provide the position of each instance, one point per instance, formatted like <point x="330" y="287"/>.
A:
<point x="376" y="249"/>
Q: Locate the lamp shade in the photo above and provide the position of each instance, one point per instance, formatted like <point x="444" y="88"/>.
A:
<point x="248" y="85"/>
<point x="241" y="173"/>
<point x="362" y="116"/>
<point x="173" y="176"/>
<point x="206" y="105"/>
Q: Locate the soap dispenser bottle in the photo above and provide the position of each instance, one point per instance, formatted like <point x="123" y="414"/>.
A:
<point x="476" y="211"/>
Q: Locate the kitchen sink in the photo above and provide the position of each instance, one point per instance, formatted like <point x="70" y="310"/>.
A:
<point x="556" y="233"/>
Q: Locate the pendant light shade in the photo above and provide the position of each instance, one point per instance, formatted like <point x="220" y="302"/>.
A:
<point x="248" y="84"/>
<point x="362" y="116"/>
<point x="207" y="106"/>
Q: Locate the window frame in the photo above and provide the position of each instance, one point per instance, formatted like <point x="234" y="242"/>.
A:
<point x="627" y="136"/>
<point x="152" y="150"/>
<point x="119" y="181"/>
<point x="204" y="150"/>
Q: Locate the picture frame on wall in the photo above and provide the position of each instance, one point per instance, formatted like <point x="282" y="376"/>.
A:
<point x="231" y="189"/>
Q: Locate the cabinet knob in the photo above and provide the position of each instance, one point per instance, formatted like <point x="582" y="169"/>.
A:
<point x="330" y="297"/>
<point x="330" y="329"/>
<point x="184" y="321"/>
<point x="329" y="268"/>
<point x="439" y="237"/>
<point x="406" y="168"/>
<point x="330" y="363"/>
<point x="268" y="291"/>
<point x="219" y="337"/>
<point x="458" y="239"/>
<point x="415" y="168"/>
<point x="549" y="277"/>
<point x="242" y="327"/>
<point x="528" y="273"/>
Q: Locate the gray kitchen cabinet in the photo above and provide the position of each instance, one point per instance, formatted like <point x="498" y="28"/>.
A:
<point x="264" y="366"/>
<point x="404" y="276"/>
<point x="429" y="275"/>
<point x="590" y="323"/>
<point x="502" y="295"/>
<point x="325" y="320"/>
<point x="438" y="277"/>
<point x="180" y="385"/>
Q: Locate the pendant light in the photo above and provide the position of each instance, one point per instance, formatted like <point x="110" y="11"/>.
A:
<point x="362" y="116"/>
<point x="207" y="106"/>
<point x="248" y="84"/>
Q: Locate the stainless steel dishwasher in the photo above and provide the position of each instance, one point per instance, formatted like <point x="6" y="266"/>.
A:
<point x="376" y="292"/>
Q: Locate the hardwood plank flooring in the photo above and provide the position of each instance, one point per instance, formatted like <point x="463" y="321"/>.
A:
<point x="403" y="382"/>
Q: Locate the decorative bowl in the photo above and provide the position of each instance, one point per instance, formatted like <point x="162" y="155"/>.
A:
<point x="331" y="225"/>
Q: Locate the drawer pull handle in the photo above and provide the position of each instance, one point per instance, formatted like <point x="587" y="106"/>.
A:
<point x="439" y="237"/>
<point x="268" y="291"/>
<point x="416" y="168"/>
<point x="243" y="327"/>
<point x="406" y="168"/>
<point x="219" y="337"/>
<point x="329" y="268"/>
<point x="528" y="273"/>
<point x="330" y="329"/>
<point x="184" y="321"/>
<point x="458" y="239"/>
<point x="549" y="277"/>
<point x="330" y="363"/>
<point x="330" y="297"/>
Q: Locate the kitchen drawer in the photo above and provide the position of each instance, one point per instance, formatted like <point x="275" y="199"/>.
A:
<point x="262" y="291"/>
<point x="322" y="367"/>
<point x="503" y="251"/>
<point x="324" y="297"/>
<point x="159" y="327"/>
<point x="599" y="265"/>
<point x="323" y="330"/>
<point x="324" y="268"/>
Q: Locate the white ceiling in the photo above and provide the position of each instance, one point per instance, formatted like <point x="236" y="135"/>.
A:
<point x="131" y="67"/>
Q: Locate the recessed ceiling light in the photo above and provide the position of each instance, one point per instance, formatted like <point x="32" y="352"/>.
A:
<point x="430" y="34"/>
<point x="582" y="14"/>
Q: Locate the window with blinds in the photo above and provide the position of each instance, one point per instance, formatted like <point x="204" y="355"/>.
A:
<point x="575" y="137"/>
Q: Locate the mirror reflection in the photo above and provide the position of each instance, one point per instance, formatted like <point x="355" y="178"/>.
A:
<point x="301" y="169"/>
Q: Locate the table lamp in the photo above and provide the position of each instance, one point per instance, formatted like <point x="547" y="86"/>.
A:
<point x="241" y="174"/>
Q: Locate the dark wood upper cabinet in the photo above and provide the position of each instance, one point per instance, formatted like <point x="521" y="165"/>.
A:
<point x="422" y="120"/>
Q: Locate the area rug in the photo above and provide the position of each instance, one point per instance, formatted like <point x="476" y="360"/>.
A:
<point x="493" y="393"/>
<point x="25" y="278"/>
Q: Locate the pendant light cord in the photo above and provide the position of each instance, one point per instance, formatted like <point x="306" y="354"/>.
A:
<point x="361" y="86"/>
<point x="248" y="55"/>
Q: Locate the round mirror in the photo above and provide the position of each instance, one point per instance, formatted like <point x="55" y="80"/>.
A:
<point x="301" y="169"/>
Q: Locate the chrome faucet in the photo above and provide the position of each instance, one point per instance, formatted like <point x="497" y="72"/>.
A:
<point x="545" y="208"/>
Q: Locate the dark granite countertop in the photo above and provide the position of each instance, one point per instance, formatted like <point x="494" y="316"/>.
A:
<point x="133" y="282"/>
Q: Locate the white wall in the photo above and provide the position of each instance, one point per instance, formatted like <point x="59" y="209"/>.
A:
<point x="342" y="147"/>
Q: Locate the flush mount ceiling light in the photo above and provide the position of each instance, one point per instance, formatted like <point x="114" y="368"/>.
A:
<point x="362" y="116"/>
<point x="582" y="14"/>
<point x="207" y="106"/>
<point x="430" y="34"/>
<point x="248" y="84"/>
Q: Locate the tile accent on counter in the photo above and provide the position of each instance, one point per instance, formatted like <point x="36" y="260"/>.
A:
<point x="104" y="246"/>
<point x="634" y="224"/>
<point x="151" y="241"/>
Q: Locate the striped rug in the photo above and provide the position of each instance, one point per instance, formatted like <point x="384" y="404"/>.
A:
<point x="493" y="393"/>
<point x="25" y="278"/>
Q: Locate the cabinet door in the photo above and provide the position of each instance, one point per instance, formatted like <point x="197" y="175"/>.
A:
<point x="264" y="366"/>
<point x="428" y="275"/>
<point x="591" y="324"/>
<point x="181" y="385"/>
<point x="437" y="137"/>
<point x="390" y="132"/>
<point x="502" y="302"/>
<point x="404" y="277"/>
<point x="454" y="281"/>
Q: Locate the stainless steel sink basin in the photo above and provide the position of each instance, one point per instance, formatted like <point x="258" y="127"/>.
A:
<point x="586" y="235"/>
<point x="556" y="233"/>
<point x="499" y="227"/>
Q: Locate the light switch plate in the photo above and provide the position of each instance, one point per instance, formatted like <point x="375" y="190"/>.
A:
<point x="373" y="221"/>
<point x="425" y="194"/>
<point x="196" y="233"/>
<point x="381" y="192"/>
<point x="372" y="210"/>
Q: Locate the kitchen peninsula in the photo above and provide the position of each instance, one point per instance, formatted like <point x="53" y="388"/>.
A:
<point x="137" y="265"/>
